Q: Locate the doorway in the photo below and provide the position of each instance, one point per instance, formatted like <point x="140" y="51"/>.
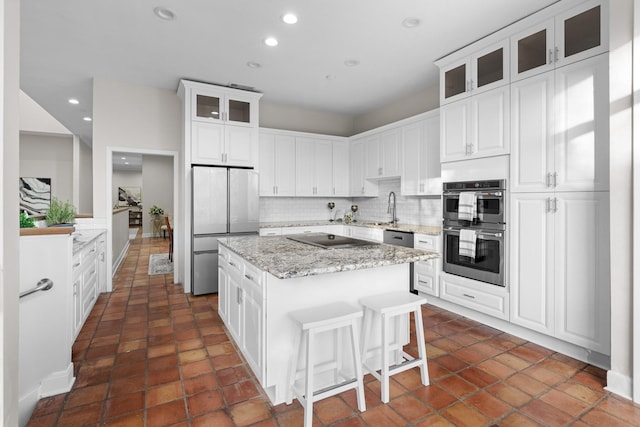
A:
<point x="158" y="162"/>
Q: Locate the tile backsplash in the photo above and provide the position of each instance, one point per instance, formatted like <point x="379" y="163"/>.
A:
<point x="409" y="209"/>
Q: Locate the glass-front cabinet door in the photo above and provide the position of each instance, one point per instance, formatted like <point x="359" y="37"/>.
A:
<point x="582" y="32"/>
<point x="224" y="108"/>
<point x="532" y="51"/>
<point x="490" y="67"/>
<point x="455" y="81"/>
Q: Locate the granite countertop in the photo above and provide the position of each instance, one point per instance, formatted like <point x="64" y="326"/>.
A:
<point x="83" y="237"/>
<point x="288" y="259"/>
<point x="421" y="229"/>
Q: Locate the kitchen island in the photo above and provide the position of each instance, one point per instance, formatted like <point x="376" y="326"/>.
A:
<point x="263" y="279"/>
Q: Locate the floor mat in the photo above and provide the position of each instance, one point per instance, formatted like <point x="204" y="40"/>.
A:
<point x="160" y="264"/>
<point x="133" y="232"/>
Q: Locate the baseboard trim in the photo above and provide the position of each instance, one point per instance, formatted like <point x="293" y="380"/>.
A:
<point x="619" y="384"/>
<point x="118" y="260"/>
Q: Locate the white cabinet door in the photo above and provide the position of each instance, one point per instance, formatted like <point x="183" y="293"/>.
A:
<point x="373" y="168"/>
<point x="582" y="126"/>
<point x="412" y="159"/>
<point x="582" y="32"/>
<point x="223" y="286"/>
<point x="285" y="169"/>
<point x="252" y="334"/>
<point x="454" y="130"/>
<point x="234" y="314"/>
<point x="389" y="158"/>
<point x="532" y="133"/>
<point x="323" y="168"/>
<point x="489" y="132"/>
<point x="454" y="81"/>
<point x="430" y="170"/>
<point x="207" y="143"/>
<point x="356" y="168"/>
<point x="340" y="168"/>
<point x="582" y="269"/>
<point x="239" y="146"/>
<point x="305" y="167"/>
<point x="531" y="262"/>
<point x="267" y="164"/>
<point x="532" y="50"/>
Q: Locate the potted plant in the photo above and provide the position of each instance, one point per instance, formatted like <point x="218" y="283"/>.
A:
<point x="155" y="212"/>
<point x="60" y="213"/>
<point x="26" y="221"/>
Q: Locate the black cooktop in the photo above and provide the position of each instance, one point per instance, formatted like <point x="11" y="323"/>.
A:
<point x="329" y="241"/>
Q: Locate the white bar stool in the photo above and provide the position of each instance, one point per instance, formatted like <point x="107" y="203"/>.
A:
<point x="388" y="306"/>
<point x="311" y="321"/>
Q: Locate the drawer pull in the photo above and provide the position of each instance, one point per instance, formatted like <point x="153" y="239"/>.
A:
<point x="232" y="264"/>
<point x="249" y="277"/>
<point x="422" y="282"/>
<point x="92" y="251"/>
<point x="76" y="265"/>
<point x="468" y="296"/>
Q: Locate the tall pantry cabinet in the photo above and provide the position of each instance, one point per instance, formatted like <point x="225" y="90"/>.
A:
<point x="559" y="220"/>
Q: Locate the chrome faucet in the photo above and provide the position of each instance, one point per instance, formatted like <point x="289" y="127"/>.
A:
<point x="391" y="208"/>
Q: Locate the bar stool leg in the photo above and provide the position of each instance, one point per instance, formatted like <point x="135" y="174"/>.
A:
<point x="422" y="348"/>
<point x="357" y="363"/>
<point x="385" y="359"/>
<point x="308" y="393"/>
<point x="366" y="330"/>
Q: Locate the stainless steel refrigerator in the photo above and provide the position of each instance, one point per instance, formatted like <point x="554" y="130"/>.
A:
<point x="225" y="203"/>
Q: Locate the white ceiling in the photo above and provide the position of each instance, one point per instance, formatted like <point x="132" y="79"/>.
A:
<point x="127" y="162"/>
<point x="65" y="44"/>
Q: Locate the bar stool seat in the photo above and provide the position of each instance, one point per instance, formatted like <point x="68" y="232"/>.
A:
<point x="312" y="321"/>
<point x="388" y="306"/>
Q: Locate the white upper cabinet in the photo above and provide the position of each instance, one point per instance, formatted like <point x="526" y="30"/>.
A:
<point x="240" y="109"/>
<point x="340" y="168"/>
<point x="570" y="36"/>
<point x="314" y="167"/>
<point x="421" y="158"/>
<point x="358" y="185"/>
<point x="484" y="70"/>
<point x="277" y="165"/>
<point x="560" y="129"/>
<point x="383" y="154"/>
<point x="475" y="127"/>
<point x="221" y="124"/>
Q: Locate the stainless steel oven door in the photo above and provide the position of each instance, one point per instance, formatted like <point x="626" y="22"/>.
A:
<point x="490" y="206"/>
<point x="488" y="264"/>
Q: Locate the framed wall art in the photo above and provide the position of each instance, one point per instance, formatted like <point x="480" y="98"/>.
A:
<point x="35" y="195"/>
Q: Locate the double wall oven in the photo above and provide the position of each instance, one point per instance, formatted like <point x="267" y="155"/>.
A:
<point x="488" y="226"/>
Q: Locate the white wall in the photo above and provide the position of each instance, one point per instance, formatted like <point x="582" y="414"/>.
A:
<point x="85" y="187"/>
<point x="9" y="234"/>
<point x="419" y="101"/>
<point x="157" y="184"/>
<point x="49" y="156"/>
<point x="126" y="179"/>
<point x="34" y="118"/>
<point x="620" y="86"/>
<point x="304" y="120"/>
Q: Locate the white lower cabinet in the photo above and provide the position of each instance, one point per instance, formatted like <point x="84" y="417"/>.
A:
<point x="86" y="276"/>
<point x="560" y="266"/>
<point x="242" y="307"/>
<point x="366" y="233"/>
<point x="426" y="274"/>
<point x="483" y="297"/>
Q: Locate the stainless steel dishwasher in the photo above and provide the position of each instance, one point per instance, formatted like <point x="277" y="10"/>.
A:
<point x="401" y="238"/>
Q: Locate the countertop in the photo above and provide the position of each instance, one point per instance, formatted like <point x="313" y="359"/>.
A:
<point x="83" y="237"/>
<point x="287" y="259"/>
<point x="421" y="229"/>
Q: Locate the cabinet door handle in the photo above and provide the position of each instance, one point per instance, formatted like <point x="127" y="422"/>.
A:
<point x="550" y="56"/>
<point x="555" y="179"/>
<point x="249" y="277"/>
<point x="555" y="204"/>
<point x="362" y="191"/>
<point x="548" y="179"/>
<point x="556" y="54"/>
<point x="470" y="85"/>
<point x="548" y="205"/>
<point x="239" y="295"/>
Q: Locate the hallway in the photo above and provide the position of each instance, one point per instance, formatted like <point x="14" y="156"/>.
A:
<point x="151" y="355"/>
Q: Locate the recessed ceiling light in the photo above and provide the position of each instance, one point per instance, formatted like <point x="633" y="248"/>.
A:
<point x="289" y="18"/>
<point x="123" y="158"/>
<point x="253" y="64"/>
<point x="330" y="77"/>
<point x="271" y="41"/>
<point x="411" y="22"/>
<point x="164" y="13"/>
<point x="87" y="119"/>
<point x="351" y="62"/>
<point x="126" y="163"/>
<point x="74" y="101"/>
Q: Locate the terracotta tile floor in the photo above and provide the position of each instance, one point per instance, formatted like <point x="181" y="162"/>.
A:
<point x="151" y="355"/>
